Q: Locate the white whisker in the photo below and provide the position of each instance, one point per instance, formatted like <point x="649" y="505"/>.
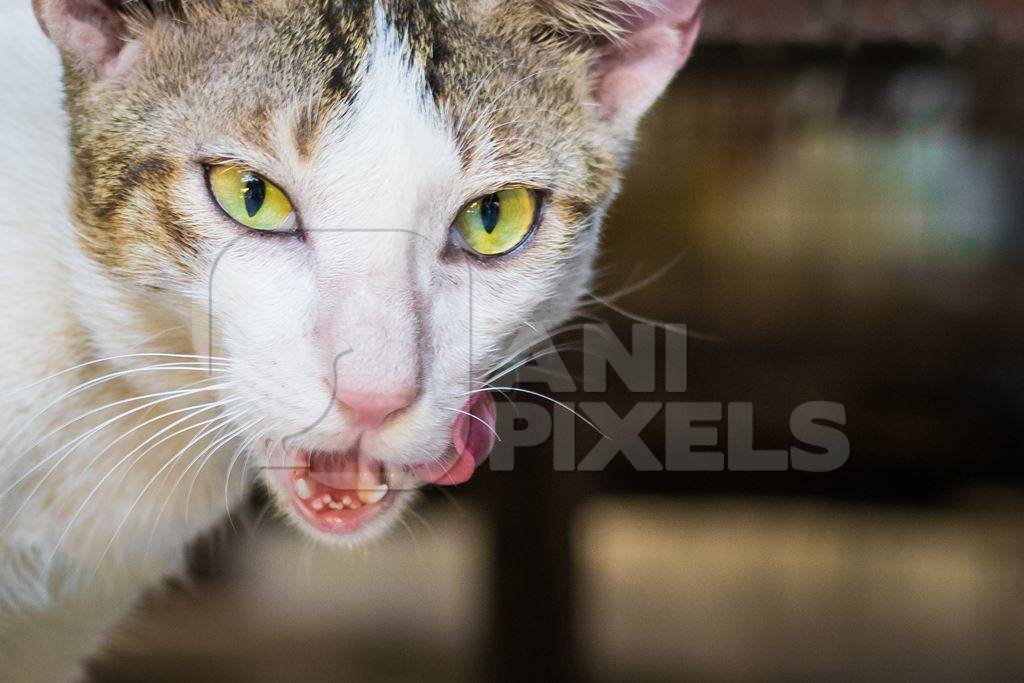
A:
<point x="193" y="411"/>
<point x="165" y="395"/>
<point x="223" y="362"/>
<point x="151" y="481"/>
<point x="239" y="452"/>
<point x="543" y="396"/>
<point x="70" y="446"/>
<point x="170" y="367"/>
<point x="499" y="372"/>
<point x="478" y="419"/>
<point x="199" y="470"/>
<point x="219" y="424"/>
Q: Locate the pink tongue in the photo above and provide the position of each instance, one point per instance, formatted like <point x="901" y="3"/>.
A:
<point x="472" y="438"/>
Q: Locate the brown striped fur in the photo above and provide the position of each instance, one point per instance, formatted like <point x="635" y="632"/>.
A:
<point x="516" y="74"/>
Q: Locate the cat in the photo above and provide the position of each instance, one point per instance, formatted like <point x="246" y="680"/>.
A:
<point x="279" y="240"/>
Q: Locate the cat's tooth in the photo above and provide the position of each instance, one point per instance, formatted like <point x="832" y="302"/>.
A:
<point x="302" y="489"/>
<point x="326" y="498"/>
<point x="374" y="494"/>
<point x="369" y="482"/>
<point x="346" y="501"/>
<point x="335" y="506"/>
<point x="395" y="475"/>
<point x="317" y="505"/>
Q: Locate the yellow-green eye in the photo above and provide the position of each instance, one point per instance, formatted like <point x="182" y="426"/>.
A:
<point x="250" y="199"/>
<point x="498" y="223"/>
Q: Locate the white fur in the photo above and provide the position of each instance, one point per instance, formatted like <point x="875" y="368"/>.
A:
<point x="366" y="299"/>
<point x="44" y="628"/>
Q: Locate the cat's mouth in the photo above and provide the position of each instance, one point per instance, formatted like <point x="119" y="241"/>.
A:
<point x="341" y="492"/>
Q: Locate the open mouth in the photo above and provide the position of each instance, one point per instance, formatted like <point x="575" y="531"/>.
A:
<point x="340" y="492"/>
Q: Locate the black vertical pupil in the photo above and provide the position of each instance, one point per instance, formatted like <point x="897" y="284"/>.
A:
<point x="490" y="211"/>
<point x="255" y="194"/>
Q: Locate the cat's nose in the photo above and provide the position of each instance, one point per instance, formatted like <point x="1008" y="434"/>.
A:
<point x="368" y="410"/>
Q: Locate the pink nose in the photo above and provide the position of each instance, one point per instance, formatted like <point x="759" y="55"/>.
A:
<point x="370" y="410"/>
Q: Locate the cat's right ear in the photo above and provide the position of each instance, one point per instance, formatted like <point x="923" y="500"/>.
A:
<point x="93" y="34"/>
<point x="635" y="46"/>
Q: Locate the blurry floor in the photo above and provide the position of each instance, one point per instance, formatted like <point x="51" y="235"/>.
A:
<point x="729" y="590"/>
<point x="711" y="590"/>
<point x="407" y="608"/>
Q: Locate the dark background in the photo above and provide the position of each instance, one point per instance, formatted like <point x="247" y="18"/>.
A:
<point x="831" y="197"/>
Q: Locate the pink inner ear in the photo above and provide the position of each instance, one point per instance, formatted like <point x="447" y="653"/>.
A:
<point x="632" y="73"/>
<point x="91" y="31"/>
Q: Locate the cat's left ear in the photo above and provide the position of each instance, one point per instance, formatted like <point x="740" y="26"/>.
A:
<point x="638" y="47"/>
<point x="94" y="34"/>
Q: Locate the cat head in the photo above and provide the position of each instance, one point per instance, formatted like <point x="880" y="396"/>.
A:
<point x="354" y="207"/>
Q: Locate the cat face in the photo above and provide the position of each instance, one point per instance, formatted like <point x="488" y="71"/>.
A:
<point x="354" y="207"/>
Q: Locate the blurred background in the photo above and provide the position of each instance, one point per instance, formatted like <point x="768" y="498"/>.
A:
<point x="836" y="188"/>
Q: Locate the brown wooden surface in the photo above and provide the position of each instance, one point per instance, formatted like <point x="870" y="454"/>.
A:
<point x="946" y="23"/>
